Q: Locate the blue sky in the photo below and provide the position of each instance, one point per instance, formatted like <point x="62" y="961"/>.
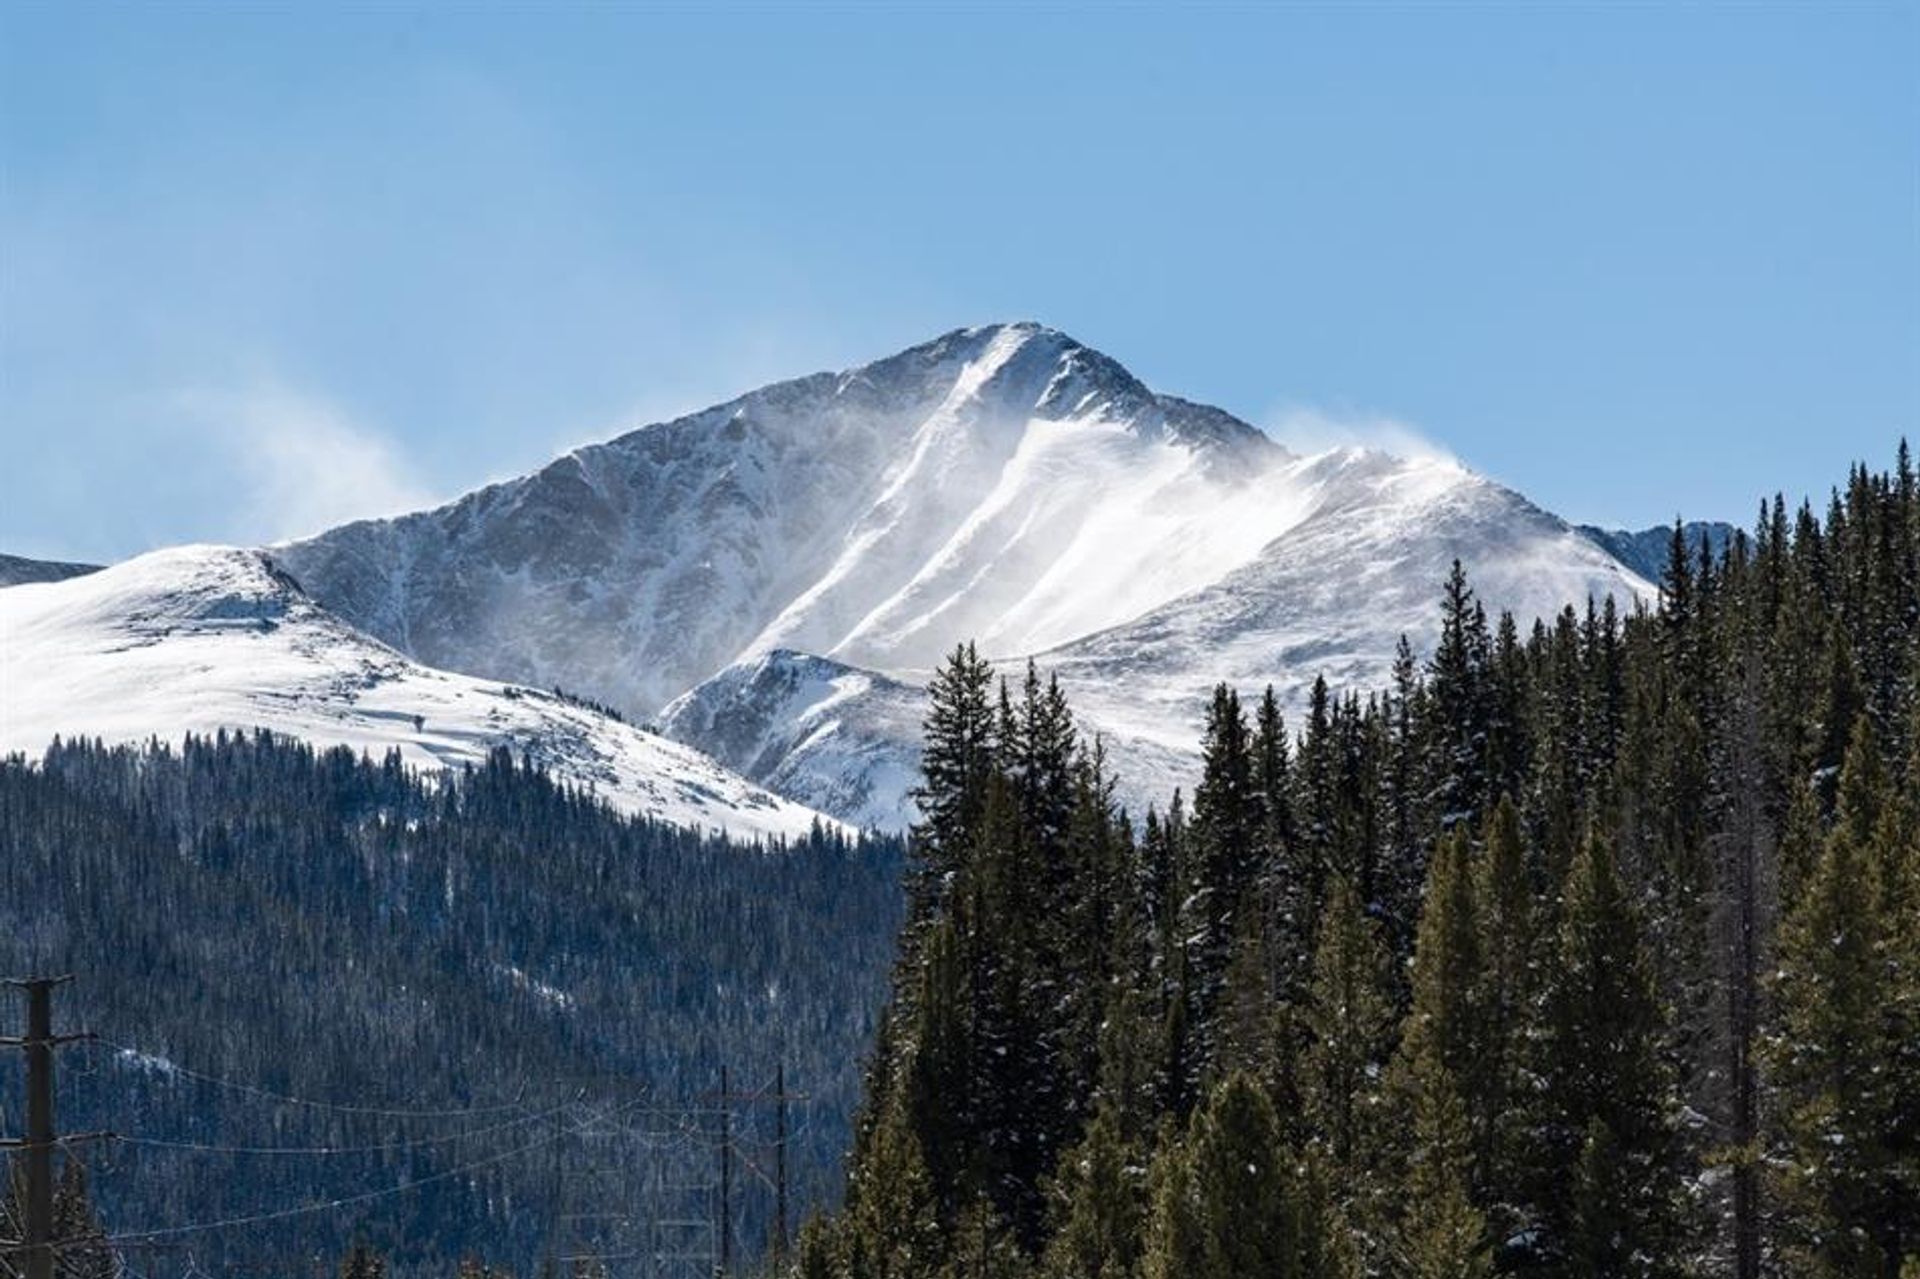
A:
<point x="262" y="269"/>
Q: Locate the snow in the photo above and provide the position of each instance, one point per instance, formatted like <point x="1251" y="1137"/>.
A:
<point x="199" y="638"/>
<point x="774" y="577"/>
<point x="1365" y="544"/>
<point x="831" y="736"/>
<point x="991" y="483"/>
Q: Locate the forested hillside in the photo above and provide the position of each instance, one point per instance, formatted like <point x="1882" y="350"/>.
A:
<point x="339" y="1001"/>
<point x="1591" y="950"/>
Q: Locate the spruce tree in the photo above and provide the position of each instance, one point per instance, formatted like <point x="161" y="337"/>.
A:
<point x="1100" y="1205"/>
<point x="1441" y="1235"/>
<point x="891" y="1227"/>
<point x="1226" y="833"/>
<point x="1611" y="1177"/>
<point x="956" y="760"/>
<point x="1458" y="684"/>
<point x="1350" y="1021"/>
<point x="1842" y="1055"/>
<point x="1235" y="1202"/>
<point x="1505" y="901"/>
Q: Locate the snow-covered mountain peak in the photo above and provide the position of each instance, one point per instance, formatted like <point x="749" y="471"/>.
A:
<point x="198" y="639"/>
<point x="1004" y="481"/>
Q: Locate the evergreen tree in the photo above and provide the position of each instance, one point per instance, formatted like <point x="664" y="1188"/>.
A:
<point x="1234" y="1202"/>
<point x="891" y="1227"/>
<point x="1504" y="900"/>
<point x="1442" y="1235"/>
<point x="1100" y="1205"/>
<point x="956" y="760"/>
<point x="1228" y="819"/>
<point x="1351" y="1022"/>
<point x="1611" y="1172"/>
<point x="363" y="1263"/>
<point x="83" y="1254"/>
<point x="1843" y="1051"/>
<point x="1458" y="684"/>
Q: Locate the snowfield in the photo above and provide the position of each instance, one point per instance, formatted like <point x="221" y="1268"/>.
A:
<point x="199" y="638"/>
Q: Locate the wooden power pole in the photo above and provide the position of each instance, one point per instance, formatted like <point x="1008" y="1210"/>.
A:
<point x="725" y="1099"/>
<point x="42" y="1137"/>
<point x="780" y="1164"/>
<point x="726" y="1178"/>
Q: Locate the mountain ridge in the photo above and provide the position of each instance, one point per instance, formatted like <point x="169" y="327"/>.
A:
<point x="804" y="507"/>
<point x="202" y="639"/>
<point x="774" y="576"/>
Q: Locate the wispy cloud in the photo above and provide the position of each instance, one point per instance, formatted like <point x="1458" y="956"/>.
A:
<point x="1311" y="429"/>
<point x="302" y="465"/>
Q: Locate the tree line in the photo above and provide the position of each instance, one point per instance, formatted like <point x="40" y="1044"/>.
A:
<point x="1588" y="951"/>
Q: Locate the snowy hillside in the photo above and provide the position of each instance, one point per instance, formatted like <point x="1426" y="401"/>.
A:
<point x="1331" y="597"/>
<point x="836" y="738"/>
<point x="199" y="638"/>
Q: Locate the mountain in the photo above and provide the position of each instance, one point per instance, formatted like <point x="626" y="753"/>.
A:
<point x="1646" y="552"/>
<point x="774" y="577"/>
<point x="16" y="569"/>
<point x="1375" y="538"/>
<point x="197" y="639"/>
<point x="1004" y="483"/>
<point x="832" y="736"/>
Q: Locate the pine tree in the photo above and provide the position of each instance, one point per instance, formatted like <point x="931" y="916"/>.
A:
<point x="1610" y="1180"/>
<point x="1234" y="1202"/>
<point x="891" y="1227"/>
<point x="1443" y="1027"/>
<point x="1458" y="684"/>
<point x="1441" y="1234"/>
<point x="363" y="1263"/>
<point x="75" y="1223"/>
<point x="983" y="1247"/>
<point x="957" y="758"/>
<point x="1351" y="1023"/>
<point x="1843" y="1055"/>
<point x="1504" y="901"/>
<point x="816" y="1251"/>
<point x="1100" y="1205"/>
<point x="1226" y="832"/>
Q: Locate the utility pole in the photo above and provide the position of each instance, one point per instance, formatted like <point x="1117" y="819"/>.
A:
<point x="780" y="1164"/>
<point x="725" y="1100"/>
<point x="726" y="1178"/>
<point x="39" y="1042"/>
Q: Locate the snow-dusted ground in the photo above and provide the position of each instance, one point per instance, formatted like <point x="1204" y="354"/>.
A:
<point x="199" y="638"/>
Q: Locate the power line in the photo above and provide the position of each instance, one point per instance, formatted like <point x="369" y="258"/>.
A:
<point x="166" y="1066"/>
<point x="347" y="1201"/>
<point x="447" y="1138"/>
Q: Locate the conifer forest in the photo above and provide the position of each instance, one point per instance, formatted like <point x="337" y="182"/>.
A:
<point x="1589" y="950"/>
